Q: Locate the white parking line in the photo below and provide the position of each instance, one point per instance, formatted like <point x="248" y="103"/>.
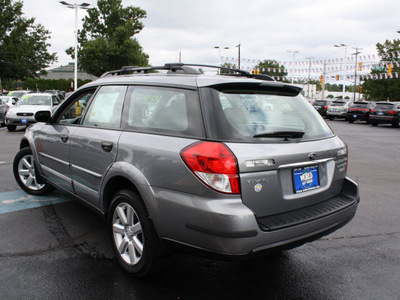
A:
<point x="2" y="162"/>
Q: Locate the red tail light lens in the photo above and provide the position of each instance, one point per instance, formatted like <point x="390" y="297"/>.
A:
<point x="326" y="107"/>
<point x="391" y="112"/>
<point x="214" y="164"/>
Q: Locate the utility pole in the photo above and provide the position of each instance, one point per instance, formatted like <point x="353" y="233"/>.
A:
<point x="323" y="83"/>
<point x="238" y="46"/>
<point x="294" y="53"/>
<point x="309" y="74"/>
<point x="355" y="71"/>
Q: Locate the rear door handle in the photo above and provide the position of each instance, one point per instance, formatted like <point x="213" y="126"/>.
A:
<point x="64" y="138"/>
<point x="107" y="146"/>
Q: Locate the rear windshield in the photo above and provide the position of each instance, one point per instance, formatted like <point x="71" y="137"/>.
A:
<point x="338" y="103"/>
<point x="319" y="102"/>
<point x="257" y="116"/>
<point x="384" y="106"/>
<point x="360" y="105"/>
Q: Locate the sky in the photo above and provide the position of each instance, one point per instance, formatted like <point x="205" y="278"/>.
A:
<point x="265" y="29"/>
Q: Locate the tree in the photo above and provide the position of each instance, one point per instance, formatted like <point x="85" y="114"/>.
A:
<point x="272" y="68"/>
<point x="229" y="66"/>
<point x="388" y="88"/>
<point x="23" y="44"/>
<point x="106" y="40"/>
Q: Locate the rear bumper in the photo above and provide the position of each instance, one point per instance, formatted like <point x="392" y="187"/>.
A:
<point x="383" y="119"/>
<point x="337" y="114"/>
<point x="229" y="228"/>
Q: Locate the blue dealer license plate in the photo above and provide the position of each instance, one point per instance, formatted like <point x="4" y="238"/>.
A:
<point x="24" y="121"/>
<point x="305" y="179"/>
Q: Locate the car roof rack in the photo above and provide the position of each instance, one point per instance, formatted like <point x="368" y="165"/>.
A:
<point x="180" y="68"/>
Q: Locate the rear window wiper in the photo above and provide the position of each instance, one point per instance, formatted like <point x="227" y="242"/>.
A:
<point x="281" y="134"/>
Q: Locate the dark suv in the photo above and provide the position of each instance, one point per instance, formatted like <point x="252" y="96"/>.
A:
<point x="386" y="113"/>
<point x="321" y="106"/>
<point x="233" y="165"/>
<point x="359" y="110"/>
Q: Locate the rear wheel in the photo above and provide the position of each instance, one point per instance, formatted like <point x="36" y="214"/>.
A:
<point x="134" y="239"/>
<point x="11" y="127"/>
<point x="374" y="124"/>
<point x="25" y="173"/>
<point x="396" y="124"/>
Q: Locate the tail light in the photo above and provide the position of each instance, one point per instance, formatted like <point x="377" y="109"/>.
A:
<point x="214" y="164"/>
<point x="372" y="111"/>
<point x="391" y="112"/>
<point x="326" y="107"/>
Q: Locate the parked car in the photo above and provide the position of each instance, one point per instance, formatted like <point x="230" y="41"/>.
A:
<point x="386" y="113"/>
<point x="359" y="110"/>
<point x="180" y="158"/>
<point x="321" y="106"/>
<point x="23" y="112"/>
<point x="338" y="109"/>
<point x="5" y="103"/>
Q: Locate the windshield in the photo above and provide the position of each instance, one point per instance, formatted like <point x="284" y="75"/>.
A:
<point x="35" y="100"/>
<point x="253" y="115"/>
<point x="16" y="94"/>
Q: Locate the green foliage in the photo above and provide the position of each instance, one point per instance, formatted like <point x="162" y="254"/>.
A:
<point x="106" y="40"/>
<point x="330" y="96"/>
<point x="383" y="89"/>
<point x="23" y="44"/>
<point x="229" y="66"/>
<point x="50" y="84"/>
<point x="272" y="68"/>
<point x="334" y="87"/>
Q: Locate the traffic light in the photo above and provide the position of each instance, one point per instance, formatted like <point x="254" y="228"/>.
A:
<point x="337" y="76"/>
<point x="321" y="79"/>
<point x="360" y="66"/>
<point x="360" y="88"/>
<point x="390" y="69"/>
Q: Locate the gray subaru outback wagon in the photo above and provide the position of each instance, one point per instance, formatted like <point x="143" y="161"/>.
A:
<point x="233" y="165"/>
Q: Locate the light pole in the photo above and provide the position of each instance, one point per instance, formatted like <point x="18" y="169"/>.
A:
<point x="355" y="71"/>
<point x="219" y="53"/>
<point x="76" y="6"/>
<point x="294" y="53"/>
<point x="238" y="46"/>
<point x="345" y="56"/>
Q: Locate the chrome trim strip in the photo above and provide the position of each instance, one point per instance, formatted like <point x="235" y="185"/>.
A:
<point x="94" y="174"/>
<point x="53" y="158"/>
<point x="307" y="163"/>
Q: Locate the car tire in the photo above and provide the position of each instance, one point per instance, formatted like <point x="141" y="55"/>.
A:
<point x="134" y="240"/>
<point x="374" y="124"/>
<point x="351" y="120"/>
<point x="11" y="127"/>
<point x="396" y="124"/>
<point x="331" y="118"/>
<point x="26" y="175"/>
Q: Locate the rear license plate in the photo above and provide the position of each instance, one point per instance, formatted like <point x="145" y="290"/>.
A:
<point x="24" y="121"/>
<point x="305" y="179"/>
<point x="354" y="116"/>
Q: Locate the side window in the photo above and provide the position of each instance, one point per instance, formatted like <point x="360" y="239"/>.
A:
<point x="106" y="107"/>
<point x="74" y="112"/>
<point x="159" y="108"/>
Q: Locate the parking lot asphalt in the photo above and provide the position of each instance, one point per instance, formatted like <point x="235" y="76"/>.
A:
<point x="53" y="247"/>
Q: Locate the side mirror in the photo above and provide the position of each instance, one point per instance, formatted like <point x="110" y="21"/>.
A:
<point x="42" y="116"/>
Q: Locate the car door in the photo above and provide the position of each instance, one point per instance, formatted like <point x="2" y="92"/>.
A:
<point x="93" y="146"/>
<point x="52" y="143"/>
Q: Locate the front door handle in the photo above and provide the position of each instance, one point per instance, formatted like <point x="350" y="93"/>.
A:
<point x="107" y="146"/>
<point x="64" y="138"/>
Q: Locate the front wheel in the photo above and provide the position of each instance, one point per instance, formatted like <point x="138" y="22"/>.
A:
<point x="133" y="237"/>
<point x="26" y="175"/>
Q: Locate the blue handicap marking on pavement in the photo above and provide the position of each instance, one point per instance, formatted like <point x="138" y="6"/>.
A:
<point x="19" y="200"/>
